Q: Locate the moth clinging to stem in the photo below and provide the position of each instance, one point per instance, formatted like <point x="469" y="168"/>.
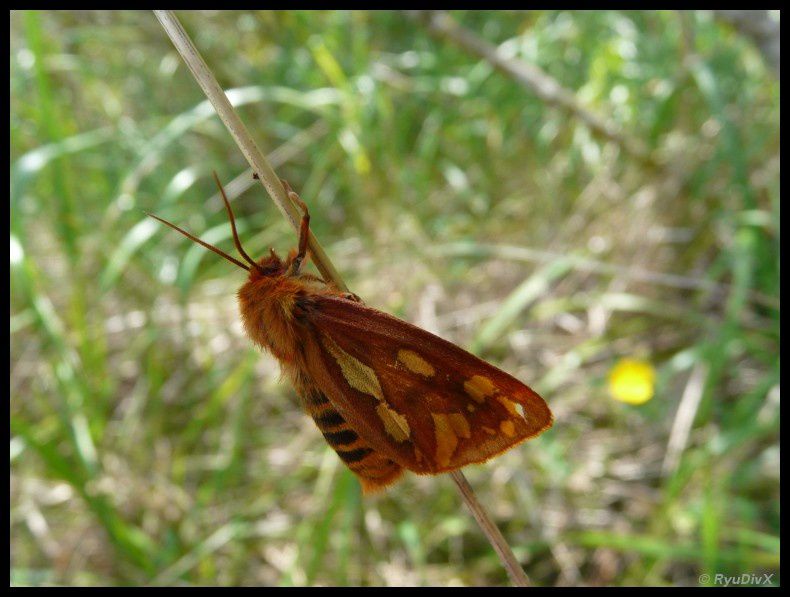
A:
<point x="386" y="395"/>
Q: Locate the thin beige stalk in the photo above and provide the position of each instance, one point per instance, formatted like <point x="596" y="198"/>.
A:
<point x="271" y="182"/>
<point x="441" y="24"/>
<point x="208" y="83"/>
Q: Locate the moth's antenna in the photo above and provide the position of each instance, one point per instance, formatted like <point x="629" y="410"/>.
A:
<point x="200" y="242"/>
<point x="236" y="240"/>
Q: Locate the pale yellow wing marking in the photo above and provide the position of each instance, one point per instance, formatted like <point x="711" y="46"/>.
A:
<point x="508" y="428"/>
<point x="361" y="377"/>
<point x="479" y="388"/>
<point x="415" y="363"/>
<point x="358" y="375"/>
<point x="449" y="427"/>
<point x="394" y="423"/>
<point x="512" y="408"/>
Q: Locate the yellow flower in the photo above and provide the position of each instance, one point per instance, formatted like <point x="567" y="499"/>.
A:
<point x="632" y="381"/>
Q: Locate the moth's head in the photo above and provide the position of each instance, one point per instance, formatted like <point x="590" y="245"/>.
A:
<point x="267" y="267"/>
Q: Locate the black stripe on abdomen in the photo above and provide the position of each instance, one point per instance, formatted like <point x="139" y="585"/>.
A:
<point x="373" y="469"/>
<point x="340" y="438"/>
<point x="329" y="419"/>
<point x="354" y="455"/>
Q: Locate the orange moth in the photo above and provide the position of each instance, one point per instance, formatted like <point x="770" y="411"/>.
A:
<point x="386" y="395"/>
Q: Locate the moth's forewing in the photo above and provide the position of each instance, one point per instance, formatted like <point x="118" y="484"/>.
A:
<point x="425" y="403"/>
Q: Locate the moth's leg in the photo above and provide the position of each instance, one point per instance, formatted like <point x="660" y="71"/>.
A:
<point x="304" y="228"/>
<point x="350" y="296"/>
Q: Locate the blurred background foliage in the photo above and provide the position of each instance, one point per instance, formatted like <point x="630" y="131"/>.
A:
<point x="150" y="443"/>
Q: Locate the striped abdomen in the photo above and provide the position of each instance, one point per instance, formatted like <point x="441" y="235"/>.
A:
<point x="374" y="470"/>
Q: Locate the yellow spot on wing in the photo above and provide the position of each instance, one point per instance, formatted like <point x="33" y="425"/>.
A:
<point x="449" y="427"/>
<point x="459" y="424"/>
<point x="509" y="405"/>
<point x="489" y="431"/>
<point x="415" y="363"/>
<point x="446" y="440"/>
<point x="479" y="388"/>
<point x="358" y="375"/>
<point x="508" y="428"/>
<point x="395" y="424"/>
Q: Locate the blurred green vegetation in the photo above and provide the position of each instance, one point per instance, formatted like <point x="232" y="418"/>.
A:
<point x="151" y="444"/>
